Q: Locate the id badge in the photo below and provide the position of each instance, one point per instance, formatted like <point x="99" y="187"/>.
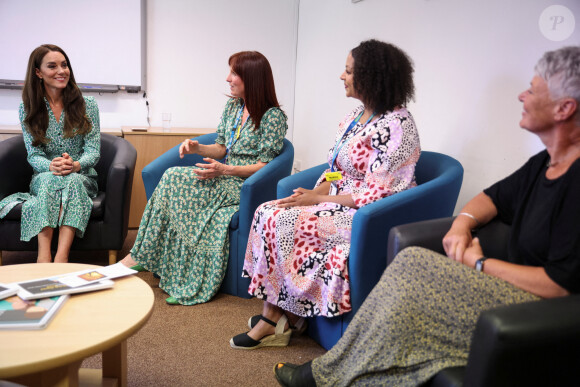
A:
<point x="333" y="176"/>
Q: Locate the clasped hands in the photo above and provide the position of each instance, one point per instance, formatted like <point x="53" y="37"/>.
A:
<point x="64" y="165"/>
<point x="300" y="197"/>
<point x="461" y="247"/>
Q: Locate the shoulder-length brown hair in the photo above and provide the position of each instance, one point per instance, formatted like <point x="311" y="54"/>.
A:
<point x="259" y="91"/>
<point x="33" y="93"/>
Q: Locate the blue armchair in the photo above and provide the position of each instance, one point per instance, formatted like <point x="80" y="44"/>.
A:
<point x="258" y="188"/>
<point x="439" y="179"/>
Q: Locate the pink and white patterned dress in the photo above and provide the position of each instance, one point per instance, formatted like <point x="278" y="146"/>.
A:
<point x="297" y="257"/>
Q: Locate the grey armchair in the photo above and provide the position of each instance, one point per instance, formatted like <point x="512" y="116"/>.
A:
<point x="108" y="224"/>
<point x="530" y="344"/>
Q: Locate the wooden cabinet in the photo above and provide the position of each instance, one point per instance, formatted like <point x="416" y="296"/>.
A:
<point x="151" y="144"/>
<point x="7" y="131"/>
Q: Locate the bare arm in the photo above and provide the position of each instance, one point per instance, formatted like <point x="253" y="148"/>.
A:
<point x="213" y="151"/>
<point x="458" y="238"/>
<point x="529" y="278"/>
<point x="213" y="168"/>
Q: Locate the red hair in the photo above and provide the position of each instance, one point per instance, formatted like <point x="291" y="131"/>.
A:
<point x="255" y="71"/>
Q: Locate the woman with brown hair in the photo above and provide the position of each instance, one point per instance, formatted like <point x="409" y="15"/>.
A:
<point x="62" y="137"/>
<point x="183" y="236"/>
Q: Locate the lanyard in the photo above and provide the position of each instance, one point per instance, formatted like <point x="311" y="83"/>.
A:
<point x="236" y="130"/>
<point x="342" y="140"/>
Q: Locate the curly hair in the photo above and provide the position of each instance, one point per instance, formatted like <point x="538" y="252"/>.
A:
<point x="383" y="75"/>
<point x="33" y="93"/>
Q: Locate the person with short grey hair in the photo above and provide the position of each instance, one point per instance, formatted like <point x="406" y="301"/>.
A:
<point x="561" y="70"/>
<point x="420" y="317"/>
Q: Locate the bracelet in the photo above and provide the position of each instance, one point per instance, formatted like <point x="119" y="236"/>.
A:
<point x="471" y="216"/>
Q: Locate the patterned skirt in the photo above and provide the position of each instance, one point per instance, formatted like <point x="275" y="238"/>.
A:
<point x="418" y="320"/>
<point x="183" y="235"/>
<point x="297" y="258"/>
<point x="49" y="194"/>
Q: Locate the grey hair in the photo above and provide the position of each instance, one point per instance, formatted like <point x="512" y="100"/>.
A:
<point x="561" y="71"/>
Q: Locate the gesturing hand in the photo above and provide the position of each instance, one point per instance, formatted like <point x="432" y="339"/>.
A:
<point x="210" y="170"/>
<point x="188" y="147"/>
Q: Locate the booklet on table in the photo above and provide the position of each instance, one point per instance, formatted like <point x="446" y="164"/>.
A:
<point x="70" y="283"/>
<point x="7" y="290"/>
<point x="19" y="314"/>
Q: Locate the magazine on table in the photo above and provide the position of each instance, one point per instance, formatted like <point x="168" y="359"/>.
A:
<point x="48" y="287"/>
<point x="70" y="283"/>
<point x="7" y="290"/>
<point x="85" y="277"/>
<point x="19" y="314"/>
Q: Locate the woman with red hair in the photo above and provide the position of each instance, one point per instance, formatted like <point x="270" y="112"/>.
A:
<point x="183" y="236"/>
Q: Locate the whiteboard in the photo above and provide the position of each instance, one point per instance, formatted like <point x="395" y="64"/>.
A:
<point x="104" y="39"/>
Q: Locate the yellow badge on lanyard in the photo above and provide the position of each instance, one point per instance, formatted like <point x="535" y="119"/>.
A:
<point x="333" y="176"/>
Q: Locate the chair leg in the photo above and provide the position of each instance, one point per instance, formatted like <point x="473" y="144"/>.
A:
<point x="112" y="257"/>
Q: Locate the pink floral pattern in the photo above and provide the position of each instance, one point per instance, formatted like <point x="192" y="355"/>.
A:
<point x="297" y="258"/>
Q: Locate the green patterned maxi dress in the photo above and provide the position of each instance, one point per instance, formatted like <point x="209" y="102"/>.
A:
<point x="183" y="235"/>
<point x="48" y="192"/>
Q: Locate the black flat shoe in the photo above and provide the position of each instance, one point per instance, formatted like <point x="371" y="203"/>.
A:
<point x="292" y="375"/>
<point x="279" y="339"/>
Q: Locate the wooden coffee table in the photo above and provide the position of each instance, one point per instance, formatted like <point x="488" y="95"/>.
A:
<point x="88" y="323"/>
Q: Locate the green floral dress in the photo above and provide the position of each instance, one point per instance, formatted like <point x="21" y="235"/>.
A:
<point x="48" y="193"/>
<point x="183" y="235"/>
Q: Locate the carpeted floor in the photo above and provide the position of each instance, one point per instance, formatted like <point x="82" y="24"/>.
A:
<point x="189" y="345"/>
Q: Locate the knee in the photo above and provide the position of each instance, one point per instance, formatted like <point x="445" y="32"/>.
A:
<point x="44" y="178"/>
<point x="418" y="256"/>
<point x="171" y="174"/>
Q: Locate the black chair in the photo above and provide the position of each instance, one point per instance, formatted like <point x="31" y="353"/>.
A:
<point x="529" y="344"/>
<point x="109" y="221"/>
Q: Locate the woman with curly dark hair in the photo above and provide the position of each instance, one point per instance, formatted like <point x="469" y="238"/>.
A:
<point x="62" y="137"/>
<point x="299" y="246"/>
<point x="421" y="316"/>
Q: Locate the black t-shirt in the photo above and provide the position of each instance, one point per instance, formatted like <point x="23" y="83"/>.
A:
<point x="545" y="219"/>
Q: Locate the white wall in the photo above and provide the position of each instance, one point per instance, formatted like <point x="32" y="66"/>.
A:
<point x="472" y="59"/>
<point x="189" y="43"/>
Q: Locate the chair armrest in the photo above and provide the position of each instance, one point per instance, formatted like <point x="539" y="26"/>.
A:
<point x="15" y="171"/>
<point x="304" y="179"/>
<point x="119" y="189"/>
<point x="493" y="236"/>
<point x="534" y="343"/>
<point x="153" y="171"/>
<point x="261" y="186"/>
<point x="428" y="234"/>
<point x="371" y="226"/>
